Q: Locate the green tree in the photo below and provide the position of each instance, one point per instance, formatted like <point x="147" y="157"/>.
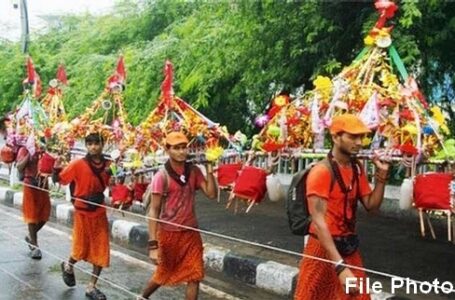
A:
<point x="230" y="57"/>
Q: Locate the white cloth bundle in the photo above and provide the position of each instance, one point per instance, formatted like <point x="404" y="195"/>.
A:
<point x="275" y="189"/>
<point x="406" y="193"/>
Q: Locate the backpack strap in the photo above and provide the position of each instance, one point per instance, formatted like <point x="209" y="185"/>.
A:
<point x="147" y="197"/>
<point x="326" y="163"/>
<point x="357" y="171"/>
<point x="165" y="183"/>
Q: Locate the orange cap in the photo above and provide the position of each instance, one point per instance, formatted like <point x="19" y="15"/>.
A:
<point x="175" y="138"/>
<point x="348" y="123"/>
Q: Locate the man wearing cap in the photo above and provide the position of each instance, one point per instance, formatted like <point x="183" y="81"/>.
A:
<point x="89" y="178"/>
<point x="177" y="250"/>
<point x="333" y="189"/>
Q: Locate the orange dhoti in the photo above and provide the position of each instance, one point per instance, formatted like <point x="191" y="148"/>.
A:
<point x="91" y="239"/>
<point x="36" y="205"/>
<point x="180" y="257"/>
<point x="318" y="279"/>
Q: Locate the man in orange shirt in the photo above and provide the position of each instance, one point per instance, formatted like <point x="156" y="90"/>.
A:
<point x="90" y="178"/>
<point x="36" y="206"/>
<point x="333" y="190"/>
<point x="177" y="251"/>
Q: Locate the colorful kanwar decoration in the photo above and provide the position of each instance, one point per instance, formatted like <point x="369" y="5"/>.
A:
<point x="106" y="115"/>
<point x="174" y="114"/>
<point x="284" y="126"/>
<point x="375" y="86"/>
<point x="29" y="122"/>
<point x="53" y="100"/>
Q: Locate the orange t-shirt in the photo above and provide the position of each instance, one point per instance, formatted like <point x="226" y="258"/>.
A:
<point x="87" y="183"/>
<point x="318" y="184"/>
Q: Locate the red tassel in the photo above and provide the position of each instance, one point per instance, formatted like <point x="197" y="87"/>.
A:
<point x="33" y="78"/>
<point x="61" y="75"/>
<point x="166" y="87"/>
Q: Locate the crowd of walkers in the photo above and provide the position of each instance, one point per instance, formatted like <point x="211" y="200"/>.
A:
<point x="334" y="188"/>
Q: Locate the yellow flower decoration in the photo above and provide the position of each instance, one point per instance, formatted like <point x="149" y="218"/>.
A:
<point x="256" y="143"/>
<point x="366" y="141"/>
<point x="280" y="101"/>
<point x="411" y="129"/>
<point x="439" y="118"/>
<point x="322" y="83"/>
<point x="137" y="163"/>
<point x="389" y="80"/>
<point x="273" y="131"/>
<point x="214" y="153"/>
<point x="368" y="40"/>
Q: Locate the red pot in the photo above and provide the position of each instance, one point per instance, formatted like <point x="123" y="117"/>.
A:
<point x="432" y="190"/>
<point x="7" y="154"/>
<point x="251" y="184"/>
<point x="46" y="163"/>
<point x="228" y="173"/>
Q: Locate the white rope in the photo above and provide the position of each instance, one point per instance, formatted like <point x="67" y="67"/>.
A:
<point x="239" y="240"/>
<point x="116" y="285"/>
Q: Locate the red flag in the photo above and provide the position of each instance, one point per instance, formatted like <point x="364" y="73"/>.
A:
<point x="166" y="86"/>
<point x="30" y="71"/>
<point x="61" y="75"/>
<point x="119" y="75"/>
<point x="33" y="78"/>
<point x="386" y="9"/>
<point x="121" y="69"/>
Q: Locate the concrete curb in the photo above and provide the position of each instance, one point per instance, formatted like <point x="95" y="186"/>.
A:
<point x="272" y="276"/>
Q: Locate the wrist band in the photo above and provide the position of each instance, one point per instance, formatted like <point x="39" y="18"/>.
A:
<point x="339" y="266"/>
<point x="340" y="269"/>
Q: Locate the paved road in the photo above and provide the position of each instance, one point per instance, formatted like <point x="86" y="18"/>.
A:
<point x="24" y="278"/>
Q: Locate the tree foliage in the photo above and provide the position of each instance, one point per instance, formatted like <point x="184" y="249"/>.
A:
<point x="229" y="56"/>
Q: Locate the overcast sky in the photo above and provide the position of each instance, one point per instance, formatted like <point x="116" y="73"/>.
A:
<point x="10" y="17"/>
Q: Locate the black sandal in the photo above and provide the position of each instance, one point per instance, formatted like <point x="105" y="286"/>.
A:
<point x="36" y="254"/>
<point x="68" y="278"/>
<point x="95" y="294"/>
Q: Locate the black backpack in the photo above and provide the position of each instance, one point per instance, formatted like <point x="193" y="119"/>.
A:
<point x="297" y="203"/>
